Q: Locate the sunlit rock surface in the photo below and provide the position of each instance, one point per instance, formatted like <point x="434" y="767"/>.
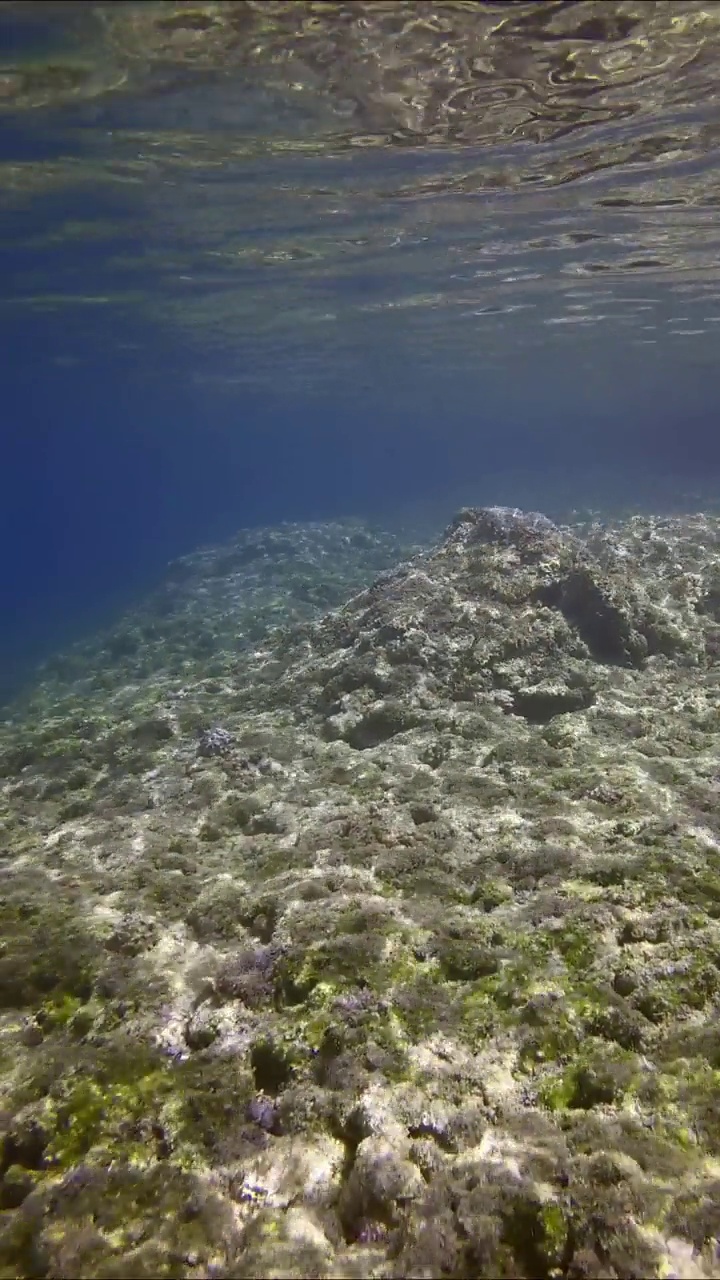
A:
<point x="384" y="943"/>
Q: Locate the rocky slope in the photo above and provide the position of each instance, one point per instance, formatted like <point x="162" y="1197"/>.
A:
<point x="384" y="945"/>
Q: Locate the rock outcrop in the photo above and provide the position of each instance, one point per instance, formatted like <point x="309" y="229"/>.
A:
<point x="391" y="945"/>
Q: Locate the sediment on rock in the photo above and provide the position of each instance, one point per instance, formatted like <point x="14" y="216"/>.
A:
<point x="386" y="944"/>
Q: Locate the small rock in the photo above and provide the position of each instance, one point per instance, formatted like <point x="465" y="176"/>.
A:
<point x="215" y="742"/>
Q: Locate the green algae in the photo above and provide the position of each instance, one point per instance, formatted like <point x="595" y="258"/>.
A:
<point x="123" y="1102"/>
<point x="44" y="948"/>
<point x="599" y="1075"/>
<point x="104" y="1118"/>
<point x="117" y="1222"/>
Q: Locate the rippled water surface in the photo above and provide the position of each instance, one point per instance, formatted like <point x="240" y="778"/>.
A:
<point x="292" y="191"/>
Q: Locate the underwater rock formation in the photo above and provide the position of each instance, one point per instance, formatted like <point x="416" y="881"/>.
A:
<point x="418" y="972"/>
<point x="507" y="610"/>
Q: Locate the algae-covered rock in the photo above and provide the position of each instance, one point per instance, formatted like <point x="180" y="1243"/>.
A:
<point x="509" y="610"/>
<point x="386" y="943"/>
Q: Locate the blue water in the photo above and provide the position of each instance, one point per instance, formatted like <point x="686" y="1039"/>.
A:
<point x="378" y="332"/>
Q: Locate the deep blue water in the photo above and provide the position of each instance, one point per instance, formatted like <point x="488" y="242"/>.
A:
<point x="107" y="476"/>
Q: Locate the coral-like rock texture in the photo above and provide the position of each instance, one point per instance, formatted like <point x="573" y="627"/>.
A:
<point x="360" y="914"/>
